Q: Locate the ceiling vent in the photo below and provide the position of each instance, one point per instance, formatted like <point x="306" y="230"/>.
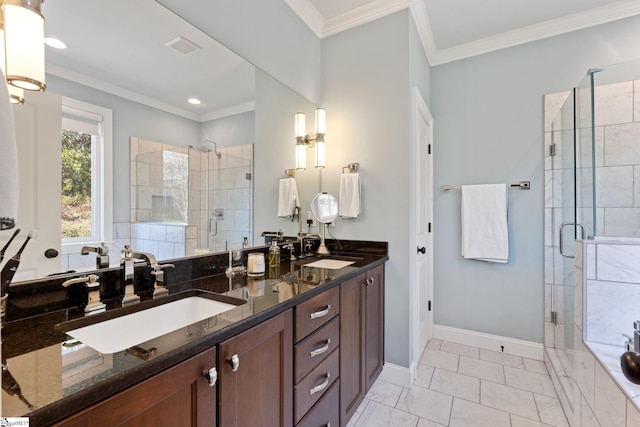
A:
<point x="182" y="45"/>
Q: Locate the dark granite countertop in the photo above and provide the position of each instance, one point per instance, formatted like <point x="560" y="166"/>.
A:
<point x="58" y="375"/>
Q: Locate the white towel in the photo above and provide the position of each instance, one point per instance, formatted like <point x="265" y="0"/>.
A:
<point x="485" y="233"/>
<point x="8" y="161"/>
<point x="287" y="197"/>
<point x="349" y="200"/>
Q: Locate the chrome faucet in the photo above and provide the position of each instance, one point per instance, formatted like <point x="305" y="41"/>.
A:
<point x="149" y="258"/>
<point x="102" y="260"/>
<point x="158" y="286"/>
<point x="92" y="287"/>
<point x="308" y="247"/>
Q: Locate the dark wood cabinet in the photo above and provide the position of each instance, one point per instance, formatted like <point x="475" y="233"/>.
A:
<point x="180" y="396"/>
<point x="255" y="376"/>
<point x="361" y="338"/>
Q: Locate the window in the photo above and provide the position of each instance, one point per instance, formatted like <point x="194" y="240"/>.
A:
<point x="86" y="175"/>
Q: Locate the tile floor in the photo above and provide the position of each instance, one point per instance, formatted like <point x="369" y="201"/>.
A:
<point x="460" y="386"/>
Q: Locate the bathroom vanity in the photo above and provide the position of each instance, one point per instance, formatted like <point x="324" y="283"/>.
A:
<point x="301" y="346"/>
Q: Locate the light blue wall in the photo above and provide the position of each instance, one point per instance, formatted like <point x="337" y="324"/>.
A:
<point x="366" y="84"/>
<point x="230" y="131"/>
<point x="267" y="33"/>
<point x="129" y="119"/>
<point x="488" y="123"/>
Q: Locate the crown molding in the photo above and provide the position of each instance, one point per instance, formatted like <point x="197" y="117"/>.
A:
<point x="554" y="27"/>
<point x="110" y="88"/>
<point x="379" y="8"/>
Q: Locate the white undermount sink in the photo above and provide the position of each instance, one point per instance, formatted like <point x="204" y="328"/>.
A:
<point x="120" y="333"/>
<point x="331" y="264"/>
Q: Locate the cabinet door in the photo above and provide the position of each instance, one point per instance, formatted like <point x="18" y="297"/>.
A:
<point x="180" y="396"/>
<point x="256" y="375"/>
<point x="374" y="324"/>
<point x="352" y="346"/>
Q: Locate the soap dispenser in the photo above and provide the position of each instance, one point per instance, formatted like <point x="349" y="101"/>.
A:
<point x="274" y="254"/>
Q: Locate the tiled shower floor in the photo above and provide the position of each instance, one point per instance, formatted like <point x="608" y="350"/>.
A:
<point x="459" y="386"/>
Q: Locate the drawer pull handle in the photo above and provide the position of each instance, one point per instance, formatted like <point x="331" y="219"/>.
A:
<point x="319" y="351"/>
<point x="211" y="375"/>
<point x="321" y="313"/>
<point x="234" y="362"/>
<point x="322" y="386"/>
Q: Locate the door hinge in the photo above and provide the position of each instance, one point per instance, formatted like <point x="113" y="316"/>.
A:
<point x="429" y="306"/>
<point x="554" y="317"/>
<point x="429" y="228"/>
<point x="552" y="150"/>
<point x="429" y="149"/>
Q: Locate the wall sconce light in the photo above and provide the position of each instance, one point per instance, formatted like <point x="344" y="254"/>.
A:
<point x="16" y="95"/>
<point x="24" y="44"/>
<point x="304" y="140"/>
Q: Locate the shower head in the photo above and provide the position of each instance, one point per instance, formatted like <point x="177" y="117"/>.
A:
<point x="202" y="148"/>
<point x="215" y="147"/>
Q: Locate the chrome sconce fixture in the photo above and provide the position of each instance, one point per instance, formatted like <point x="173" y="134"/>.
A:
<point x="23" y="46"/>
<point x="304" y="140"/>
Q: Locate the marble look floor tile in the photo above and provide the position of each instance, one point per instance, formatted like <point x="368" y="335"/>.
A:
<point x="456" y="385"/>
<point x="434" y="344"/>
<point x="518" y="421"/>
<point x="469" y="414"/>
<point x="550" y="411"/>
<point x="429" y="404"/>
<point x="428" y="423"/>
<point x="502" y="358"/>
<point x="535" y="366"/>
<point x="385" y="393"/>
<point x="530" y="381"/>
<point x="440" y="359"/>
<point x="481" y="369"/>
<point x="378" y="415"/>
<point x="423" y="375"/>
<point x="461" y="349"/>
<point x="359" y="411"/>
<point x="510" y="399"/>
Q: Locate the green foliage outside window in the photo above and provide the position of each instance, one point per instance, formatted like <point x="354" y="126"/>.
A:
<point x="76" y="184"/>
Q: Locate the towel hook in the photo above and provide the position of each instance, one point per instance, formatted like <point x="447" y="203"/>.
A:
<point x="290" y="172"/>
<point x="351" y="167"/>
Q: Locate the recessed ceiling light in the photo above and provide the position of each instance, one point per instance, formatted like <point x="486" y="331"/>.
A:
<point x="55" y="43"/>
<point x="194" y="101"/>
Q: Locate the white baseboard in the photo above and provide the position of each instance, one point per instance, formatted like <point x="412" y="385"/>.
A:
<point x="531" y="350"/>
<point x="396" y="374"/>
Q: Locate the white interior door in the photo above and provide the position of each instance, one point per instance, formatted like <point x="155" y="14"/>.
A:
<point x="422" y="225"/>
<point x="38" y="126"/>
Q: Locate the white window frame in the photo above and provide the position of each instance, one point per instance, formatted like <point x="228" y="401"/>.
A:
<point x="102" y="164"/>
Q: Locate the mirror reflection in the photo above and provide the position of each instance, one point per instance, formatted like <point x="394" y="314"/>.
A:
<point x="126" y="68"/>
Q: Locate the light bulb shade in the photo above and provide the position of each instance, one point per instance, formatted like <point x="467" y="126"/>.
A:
<point x="320" y="121"/>
<point x="301" y="156"/>
<point x="24" y="44"/>
<point x="300" y="125"/>
<point x="320" y="154"/>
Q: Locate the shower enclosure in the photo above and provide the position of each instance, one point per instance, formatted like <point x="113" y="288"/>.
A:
<point x="592" y="159"/>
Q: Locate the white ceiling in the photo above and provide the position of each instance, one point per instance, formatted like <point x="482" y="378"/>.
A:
<point x="456" y="29"/>
<point x="119" y="45"/>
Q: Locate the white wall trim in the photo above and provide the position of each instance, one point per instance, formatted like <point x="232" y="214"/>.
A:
<point x="398" y="375"/>
<point x="361" y="15"/>
<point x="516" y="347"/>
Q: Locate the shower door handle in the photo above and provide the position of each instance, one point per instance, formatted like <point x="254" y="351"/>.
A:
<point x="213" y="230"/>
<point x="562" y="226"/>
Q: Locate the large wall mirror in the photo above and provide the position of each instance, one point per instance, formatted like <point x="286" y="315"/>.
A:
<point x="142" y="63"/>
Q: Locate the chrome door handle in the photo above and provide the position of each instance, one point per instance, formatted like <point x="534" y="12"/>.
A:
<point x="322" y="386"/>
<point x="211" y="375"/>
<point x="322" y="349"/>
<point x="234" y="362"/>
<point x="564" y="224"/>
<point x="321" y="313"/>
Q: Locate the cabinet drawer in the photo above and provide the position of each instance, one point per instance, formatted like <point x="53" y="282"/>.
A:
<point x="313" y="386"/>
<point x="324" y="413"/>
<point x="317" y="311"/>
<point x="316" y="347"/>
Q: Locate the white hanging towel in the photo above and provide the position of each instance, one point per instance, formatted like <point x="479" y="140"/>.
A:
<point x="485" y="233"/>
<point x="287" y="197"/>
<point x="349" y="200"/>
<point x="8" y="161"/>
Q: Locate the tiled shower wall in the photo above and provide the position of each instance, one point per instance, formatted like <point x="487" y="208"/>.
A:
<point x="221" y="196"/>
